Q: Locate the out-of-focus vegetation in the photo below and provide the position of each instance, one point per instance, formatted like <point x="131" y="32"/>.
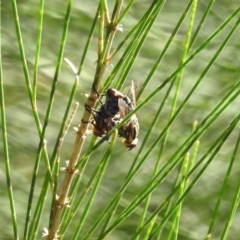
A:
<point x="23" y="138"/>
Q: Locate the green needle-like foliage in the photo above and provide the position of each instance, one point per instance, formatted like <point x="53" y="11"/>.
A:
<point x="59" y="180"/>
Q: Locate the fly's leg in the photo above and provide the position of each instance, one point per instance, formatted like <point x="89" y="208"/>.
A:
<point x="92" y="111"/>
<point x="88" y="108"/>
<point x="91" y="122"/>
<point x="98" y="94"/>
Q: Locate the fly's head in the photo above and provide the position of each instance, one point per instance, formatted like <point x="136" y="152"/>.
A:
<point x="112" y="92"/>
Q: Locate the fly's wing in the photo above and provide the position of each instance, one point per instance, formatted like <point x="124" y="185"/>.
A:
<point x="133" y="94"/>
<point x="124" y="106"/>
<point x="132" y="90"/>
<point x="128" y="103"/>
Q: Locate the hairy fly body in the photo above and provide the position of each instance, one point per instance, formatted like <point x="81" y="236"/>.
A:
<point x="107" y="116"/>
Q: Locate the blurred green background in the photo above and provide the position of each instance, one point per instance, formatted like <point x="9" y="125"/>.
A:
<point x="23" y="137"/>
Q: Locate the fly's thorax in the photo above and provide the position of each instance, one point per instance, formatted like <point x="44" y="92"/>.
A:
<point x="111" y="108"/>
<point x="111" y="104"/>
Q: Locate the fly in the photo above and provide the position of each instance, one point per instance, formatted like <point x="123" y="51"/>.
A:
<point x="107" y="116"/>
<point x="116" y="107"/>
<point x="130" y="130"/>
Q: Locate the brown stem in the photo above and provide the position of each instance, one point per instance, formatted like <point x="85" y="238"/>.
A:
<point x="61" y="201"/>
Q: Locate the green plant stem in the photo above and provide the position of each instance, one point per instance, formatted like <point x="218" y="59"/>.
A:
<point x="5" y="147"/>
<point x="201" y="22"/>
<point x="174" y="116"/>
<point x="38" y="46"/>
<point x="97" y="177"/>
<point x="35" y="114"/>
<point x="223" y="189"/>
<point x="138" y="41"/>
<point x="236" y="199"/>
<point x="87" y="43"/>
<point x="29" y="86"/>
<point x="214" y="149"/>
